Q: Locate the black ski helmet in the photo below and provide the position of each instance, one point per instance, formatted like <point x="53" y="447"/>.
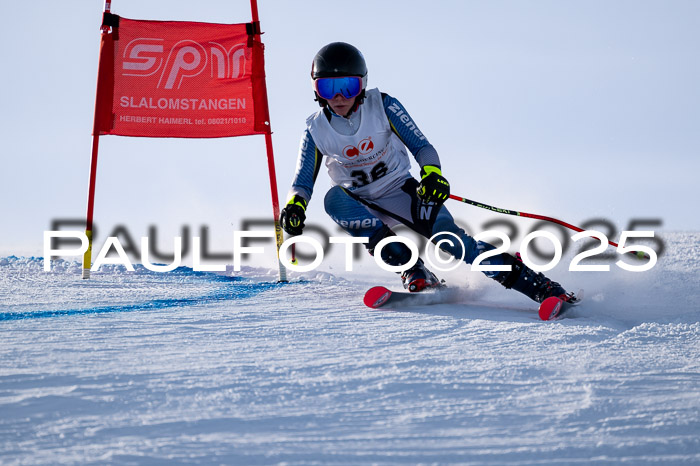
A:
<point x="339" y="59"/>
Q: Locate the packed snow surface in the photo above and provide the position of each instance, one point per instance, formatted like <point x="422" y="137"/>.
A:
<point x="189" y="367"/>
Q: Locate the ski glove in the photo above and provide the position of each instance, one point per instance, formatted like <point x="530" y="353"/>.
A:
<point x="293" y="215"/>
<point x="433" y="186"/>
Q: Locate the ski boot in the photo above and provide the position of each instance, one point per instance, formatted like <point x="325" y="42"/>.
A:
<point x="415" y="279"/>
<point x="532" y="284"/>
<point x="418" y="278"/>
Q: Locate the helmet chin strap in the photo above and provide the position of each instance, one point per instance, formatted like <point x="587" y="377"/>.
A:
<point x="358" y="101"/>
<point x="321" y="102"/>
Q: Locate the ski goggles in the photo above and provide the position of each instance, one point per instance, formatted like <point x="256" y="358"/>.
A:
<point x="347" y="86"/>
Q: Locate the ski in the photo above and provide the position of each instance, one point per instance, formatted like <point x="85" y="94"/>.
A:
<point x="554" y="308"/>
<point x="380" y="296"/>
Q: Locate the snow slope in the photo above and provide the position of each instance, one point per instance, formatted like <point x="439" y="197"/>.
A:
<point x="186" y="367"/>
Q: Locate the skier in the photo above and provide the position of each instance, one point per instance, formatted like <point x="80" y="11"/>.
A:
<point x="363" y="135"/>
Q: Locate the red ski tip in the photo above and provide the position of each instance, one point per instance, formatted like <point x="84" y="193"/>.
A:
<point x="550" y="308"/>
<point x="376" y="296"/>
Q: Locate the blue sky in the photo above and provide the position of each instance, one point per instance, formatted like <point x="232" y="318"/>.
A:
<point x="577" y="110"/>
